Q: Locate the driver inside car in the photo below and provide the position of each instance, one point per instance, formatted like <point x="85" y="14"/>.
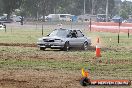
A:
<point x="74" y="34"/>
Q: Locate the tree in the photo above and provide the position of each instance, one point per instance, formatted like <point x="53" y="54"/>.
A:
<point x="10" y="6"/>
<point x="1" y="7"/>
<point x="126" y="9"/>
<point x="101" y="6"/>
<point x="36" y="8"/>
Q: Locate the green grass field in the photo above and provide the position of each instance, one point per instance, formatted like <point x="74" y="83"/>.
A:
<point x="115" y="62"/>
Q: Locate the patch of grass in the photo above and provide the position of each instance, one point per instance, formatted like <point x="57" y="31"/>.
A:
<point x="98" y="69"/>
<point x="22" y="36"/>
<point x="49" y="64"/>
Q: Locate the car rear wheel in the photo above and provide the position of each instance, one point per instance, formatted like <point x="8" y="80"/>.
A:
<point x="85" y="46"/>
<point x="66" y="46"/>
<point x="42" y="48"/>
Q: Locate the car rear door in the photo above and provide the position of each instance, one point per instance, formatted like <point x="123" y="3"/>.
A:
<point x="80" y="38"/>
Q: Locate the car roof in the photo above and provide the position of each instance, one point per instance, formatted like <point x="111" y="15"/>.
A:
<point x="67" y="29"/>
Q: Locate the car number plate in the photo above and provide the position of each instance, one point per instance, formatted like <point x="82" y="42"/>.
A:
<point x="47" y="44"/>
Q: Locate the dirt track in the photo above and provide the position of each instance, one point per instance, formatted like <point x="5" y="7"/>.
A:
<point x="44" y="78"/>
<point x="38" y="79"/>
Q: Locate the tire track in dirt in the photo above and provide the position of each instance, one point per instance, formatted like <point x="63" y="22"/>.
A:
<point x="19" y="44"/>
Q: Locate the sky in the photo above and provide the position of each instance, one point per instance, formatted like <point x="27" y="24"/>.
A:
<point x="126" y="0"/>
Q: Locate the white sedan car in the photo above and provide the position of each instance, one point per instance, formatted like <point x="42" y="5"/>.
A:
<point x="64" y="39"/>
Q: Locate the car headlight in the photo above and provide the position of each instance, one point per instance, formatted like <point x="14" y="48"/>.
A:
<point x="40" y="40"/>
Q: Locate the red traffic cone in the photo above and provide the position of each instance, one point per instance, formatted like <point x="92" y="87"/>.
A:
<point x="98" y="54"/>
<point x="98" y="51"/>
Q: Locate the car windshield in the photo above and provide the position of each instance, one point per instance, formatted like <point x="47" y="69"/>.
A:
<point x="59" y="33"/>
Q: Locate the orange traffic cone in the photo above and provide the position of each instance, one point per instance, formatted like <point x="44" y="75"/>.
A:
<point x="98" y="54"/>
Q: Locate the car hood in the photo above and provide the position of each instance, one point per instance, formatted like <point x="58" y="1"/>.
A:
<point x="52" y="38"/>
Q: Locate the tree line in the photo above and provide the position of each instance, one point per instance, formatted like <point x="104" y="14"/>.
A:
<point x="37" y="8"/>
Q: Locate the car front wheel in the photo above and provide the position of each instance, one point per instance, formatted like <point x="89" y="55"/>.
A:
<point x="66" y="46"/>
<point x="85" y="46"/>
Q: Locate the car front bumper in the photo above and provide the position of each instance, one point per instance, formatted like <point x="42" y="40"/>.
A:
<point x="51" y="44"/>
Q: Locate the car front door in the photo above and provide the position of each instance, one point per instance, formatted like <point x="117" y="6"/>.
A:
<point x="77" y="38"/>
<point x="73" y="39"/>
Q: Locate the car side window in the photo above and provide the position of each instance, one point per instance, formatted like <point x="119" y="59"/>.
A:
<point x="79" y="33"/>
<point x="74" y="34"/>
<point x="69" y="33"/>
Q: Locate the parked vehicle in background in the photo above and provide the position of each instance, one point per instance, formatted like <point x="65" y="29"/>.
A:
<point x="4" y="19"/>
<point x="128" y="21"/>
<point x="16" y="18"/>
<point x="117" y="19"/>
<point x="58" y="17"/>
<point x="101" y="18"/>
<point x="2" y="26"/>
<point x="64" y="39"/>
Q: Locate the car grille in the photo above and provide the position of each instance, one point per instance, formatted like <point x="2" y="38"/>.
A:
<point x="47" y="40"/>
